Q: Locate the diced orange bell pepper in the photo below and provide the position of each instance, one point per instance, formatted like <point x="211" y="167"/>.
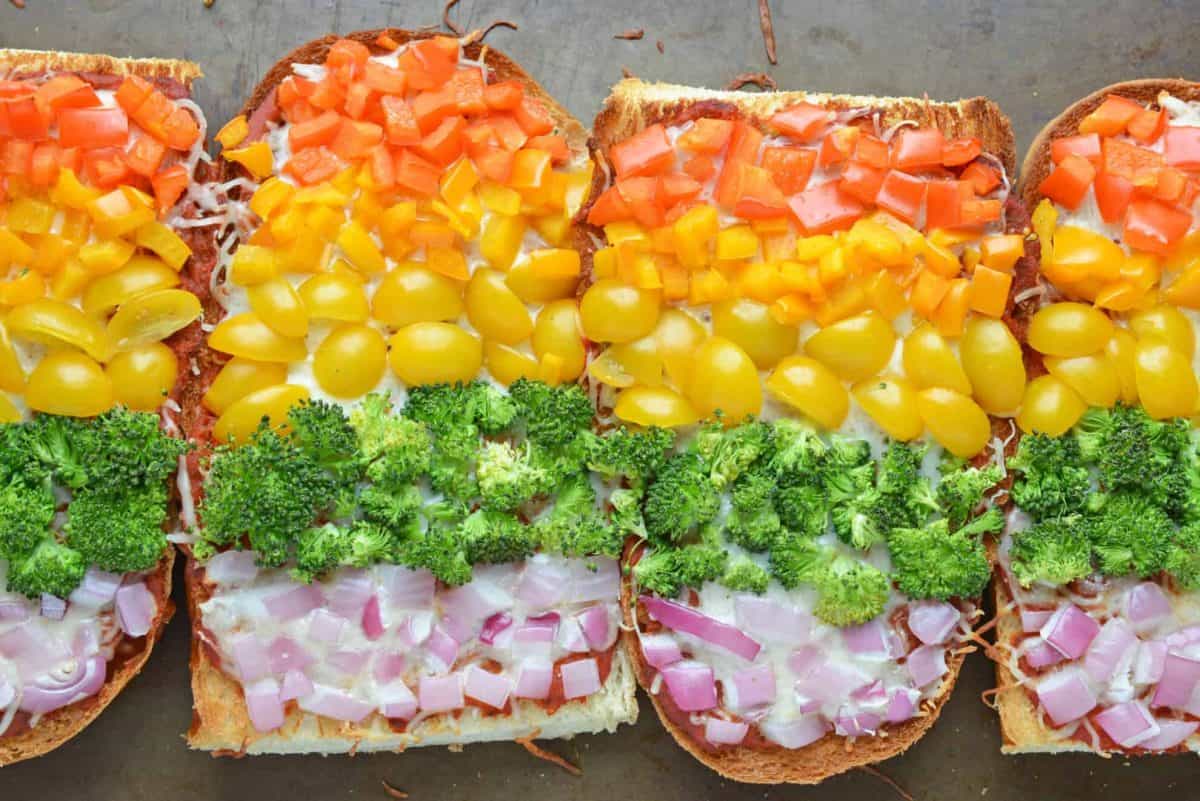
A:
<point x="384" y="79"/>
<point x="927" y="292"/>
<point x="93" y="127"/>
<point x="982" y="177"/>
<point x="743" y="147"/>
<point x="609" y="207"/>
<point x="951" y="313"/>
<point x="963" y="150"/>
<point x="504" y="95"/>
<point x="399" y="122"/>
<point x="918" y="148"/>
<point x="313" y="165"/>
<point x="533" y="117"/>
<point x="902" y="195"/>
<point x="432" y="106"/>
<point x="862" y="181"/>
<point x="25" y="119"/>
<point x="66" y="91"/>
<point x="292" y="90"/>
<point x="1085" y="145"/>
<point x="1127" y="160"/>
<point x="640" y="194"/>
<point x="132" y="92"/>
<point x="468" y="92"/>
<point x="358" y="100"/>
<point x="43" y="164"/>
<point x="707" y="135"/>
<point x="169" y="185"/>
<point x="494" y="163"/>
<point x="647" y="152"/>
<point x="790" y="167"/>
<point x="181" y="130"/>
<point x="1182" y="147"/>
<point x="355" y="139"/>
<point x="16" y="158"/>
<point x="825" y="209"/>
<point x="347" y="53"/>
<point x="943" y="203"/>
<point x="105" y="167"/>
<point x="429" y="63"/>
<point x="1068" y="182"/>
<point x="146" y="155"/>
<point x="383" y="169"/>
<point x="1147" y="125"/>
<point x="507" y="132"/>
<point x="1001" y="251"/>
<point x="444" y="143"/>
<point x="758" y="196"/>
<point x="700" y="167"/>
<point x="989" y="291"/>
<point x="1168" y="185"/>
<point x="975" y="213"/>
<point x="554" y="144"/>
<point x="416" y="174"/>
<point x="1154" y="226"/>
<point x="1110" y="117"/>
<point x="315" y="132"/>
<point x="802" y="121"/>
<point x="153" y="113"/>
<point x="677" y="188"/>
<point x="838" y="146"/>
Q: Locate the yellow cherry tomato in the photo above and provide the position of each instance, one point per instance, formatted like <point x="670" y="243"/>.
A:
<point x="892" y="404"/>
<point x="278" y="304"/>
<point x="750" y="324"/>
<point x="654" y="406"/>
<point x="70" y="383"/>
<point x="607" y="369"/>
<point x="558" y="331"/>
<point x="533" y="287"/>
<point x="615" y="312"/>
<point x="333" y="296"/>
<point x="248" y="336"/>
<point x="1093" y="377"/>
<point x="678" y="334"/>
<point x="992" y="360"/>
<point x="9" y="413"/>
<point x="140" y="274"/>
<point x="723" y="378"/>
<point x="434" y="353"/>
<point x="239" y="422"/>
<point x="413" y="294"/>
<point x="507" y="364"/>
<point x="495" y="310"/>
<point x="1069" y="329"/>
<point x="640" y="359"/>
<point x="143" y="376"/>
<point x="1167" y="323"/>
<point x="809" y="386"/>
<point x="1165" y="382"/>
<point x="152" y="317"/>
<point x="1122" y="350"/>
<point x="1050" y="407"/>
<point x="930" y="362"/>
<point x="53" y="322"/>
<point x="854" y="348"/>
<point x="350" y="361"/>
<point x="12" y="375"/>
<point x="954" y="420"/>
<point x="238" y="378"/>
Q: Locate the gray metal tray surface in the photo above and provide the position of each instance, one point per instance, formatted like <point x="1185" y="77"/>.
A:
<point x="1033" y="58"/>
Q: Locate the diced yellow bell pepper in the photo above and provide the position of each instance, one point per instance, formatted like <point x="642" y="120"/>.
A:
<point x="51" y="252"/>
<point x="970" y="259"/>
<point x="885" y="295"/>
<point x="627" y="231"/>
<point x="360" y="248"/>
<point x="693" y="231"/>
<point x="911" y="238"/>
<point x="873" y="241"/>
<point x="550" y="369"/>
<point x="577" y="185"/>
<point x="791" y="309"/>
<point x="761" y="281"/>
<point x="14" y="250"/>
<point x="737" y="242"/>
<point x="76" y="226"/>
<point x="604" y="263"/>
<point x="770" y="225"/>
<point x="927" y="293"/>
<point x="255" y="157"/>
<point x="675" y="280"/>
<point x="308" y="253"/>
<point x="324" y="221"/>
<point x="500" y="198"/>
<point x="163" y="242"/>
<point x="951" y="313"/>
<point x="941" y="260"/>
<point x="553" y="228"/>
<point x="433" y="234"/>
<point x="1044" y="220"/>
<point x="69" y="192"/>
<point x="1185" y="289"/>
<point x="811" y="248"/>
<point x="630" y="257"/>
<point x="367" y="209"/>
<point x="951" y="238"/>
<point x="458" y="181"/>
<point x="397" y="218"/>
<point x="271" y="196"/>
<point x="346" y="180"/>
<point x="104" y="256"/>
<point x="530" y="168"/>
<point x="662" y="240"/>
<point x="550" y="263"/>
<point x="322" y="194"/>
<point x="253" y="265"/>
<point x="709" y="286"/>
<point x="1001" y="251"/>
<point x="120" y="212"/>
<point x="69" y="281"/>
<point x="450" y="262"/>
<point x="234" y="132"/>
<point x="26" y="287"/>
<point x="848" y="300"/>
<point x="779" y="247"/>
<point x="29" y="216"/>
<point x="501" y="240"/>
<point x="460" y="226"/>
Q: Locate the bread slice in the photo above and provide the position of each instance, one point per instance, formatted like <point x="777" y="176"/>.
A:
<point x="1021" y="728"/>
<point x="219" y="720"/>
<point x="56" y="727"/>
<point x="632" y="106"/>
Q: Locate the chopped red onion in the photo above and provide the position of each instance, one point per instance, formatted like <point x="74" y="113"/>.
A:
<point x="263" y="704"/>
<point x="1146" y="604"/>
<point x="580" y="678"/>
<point x="1041" y="654"/>
<point x="473" y="602"/>
<point x="443" y="650"/>
<point x="1070" y="630"/>
<point x="570" y="636"/>
<point x="441" y="693"/>
<point x="135" y="609"/>
<point x="14" y="610"/>
<point x="1032" y="620"/>
<point x="534" y="679"/>
<point x="86" y="642"/>
<point x="250" y="658"/>
<point x="53" y="607"/>
<point x="28" y="645"/>
<point x="415" y="629"/>
<point x="932" y="621"/>
<point x="334" y="703"/>
<point x="689" y="621"/>
<point x="40" y="697"/>
<point x="902" y="704"/>
<point x="405" y="588"/>
<point x="598" y="630"/>
<point x="873" y="697"/>
<point x="1179" y="678"/>
<point x="868" y="640"/>
<point x="1128" y="723"/>
<point x="660" y="650"/>
<point x="926" y="664"/>
<point x="859" y="725"/>
<point x="724" y="732"/>
<point x="286" y="654"/>
<point x="544" y="581"/>
<point x="1184" y="636"/>
<point x="831" y="682"/>
<point x="294" y="685"/>
<point x="388" y="666"/>
<point x="1065" y="695"/>
<point x="231" y="567"/>
<point x="750" y="687"/>
<point x="456" y="628"/>
<point x="769" y="620"/>
<point x="1148" y="662"/>
<point x="494" y="625"/>
<point x="325" y="626"/>
<point x="7" y="692"/>
<point x="348" y="662"/>
<point x="538" y="630"/>
<point x="97" y="589"/>
<point x="1171" y="732"/>
<point x="1110" y="648"/>
<point x="489" y="688"/>
<point x="294" y="603"/>
<point x="372" y="619"/>
<point x="805" y="659"/>
<point x="397" y="701"/>
<point x="691" y="685"/>
<point x="349" y="591"/>
<point x="795" y="733"/>
<point x="595" y="578"/>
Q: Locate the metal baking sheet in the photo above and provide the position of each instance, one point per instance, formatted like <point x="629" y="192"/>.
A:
<point x="1032" y="57"/>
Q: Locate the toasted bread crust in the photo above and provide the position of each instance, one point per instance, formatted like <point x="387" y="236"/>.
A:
<point x="22" y="61"/>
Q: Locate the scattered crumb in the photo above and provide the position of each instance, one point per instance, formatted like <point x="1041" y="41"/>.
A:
<point x="21" y="3"/>
<point x="633" y="34"/>
<point x="387" y="788"/>
<point x="768" y="29"/>
<point x="659" y="44"/>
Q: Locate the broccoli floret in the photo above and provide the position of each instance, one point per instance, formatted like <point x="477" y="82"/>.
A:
<point x="905" y="492"/>
<point x="666" y="571"/>
<point x="633" y="455"/>
<point x="803" y="509"/>
<point x="397" y="511"/>
<point x="1129" y="534"/>
<point x="1183" y="557"/>
<point x="753" y="522"/>
<point x="380" y="431"/>
<point x="26" y="512"/>
<point x="729" y="452"/>
<point x="798" y="560"/>
<point x="574" y="526"/>
<point x="1053" y="551"/>
<point x="323" y="432"/>
<point x="799" y="453"/>
<point x="936" y="562"/>
<point x="553" y="416"/>
<point x="437" y="550"/>
<point x="850" y="592"/>
<point x="680" y="499"/>
<point x="118" y="530"/>
<point x="961" y="488"/>
<point x="326" y="547"/>
<point x="847" y="470"/>
<point x="1049" y="480"/>
<point x="743" y="575"/>
<point x="450" y="407"/>
<point x="126" y="448"/>
<point x="51" y="568"/>
<point x="489" y="408"/>
<point x="845" y="452"/>
<point x="493" y="536"/>
<point x="57" y="444"/>
<point x="1132" y="451"/>
<point x="508" y="477"/>
<point x="627" y="513"/>
<point x="865" y="520"/>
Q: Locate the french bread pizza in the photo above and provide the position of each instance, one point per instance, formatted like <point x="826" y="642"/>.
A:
<point x="99" y="258"/>
<point x="397" y="541"/>
<point x="810" y="297"/>
<point x="1098" y="587"/>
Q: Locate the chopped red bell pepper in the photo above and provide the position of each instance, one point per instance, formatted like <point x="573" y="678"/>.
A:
<point x="943" y="203"/>
<point x="743" y="149"/>
<point x="1068" y="182"/>
<point x="554" y="144"/>
<point x="872" y="151"/>
<point x="825" y="209"/>
<point x="1182" y="147"/>
<point x="25" y="119"/>
<point x="468" y="92"/>
<point x="790" y="167"/>
<point x="416" y="174"/>
<point x="609" y="207"/>
<point x="802" y="121"/>
<point x="640" y="194"/>
<point x="66" y="91"/>
<point x="647" y="152"/>
<point x="862" y="181"/>
<point x="315" y="132"/>
<point x="902" y="195"/>
<point x="355" y="139"/>
<point x="677" y="187"/>
<point x="1154" y="226"/>
<point x="918" y="148"/>
<point x="700" y="167"/>
<point x="503" y="96"/>
<point x="963" y="150"/>
<point x="758" y="196"/>
<point x="432" y="106"/>
<point x="837" y="146"/>
<point x="707" y="135"/>
<point x="93" y="127"/>
<point x="533" y="117"/>
<point x="1147" y="125"/>
<point x="399" y="122"/>
<point x="384" y="79"/>
<point x="429" y="63"/>
<point x="145" y="156"/>
<point x="443" y="144"/>
<point x="1086" y="145"/>
<point x="347" y="53"/>
<point x="169" y="185"/>
<point x="1129" y="161"/>
<point x="1111" y="116"/>
<point x="982" y="177"/>
<point x="1113" y="194"/>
